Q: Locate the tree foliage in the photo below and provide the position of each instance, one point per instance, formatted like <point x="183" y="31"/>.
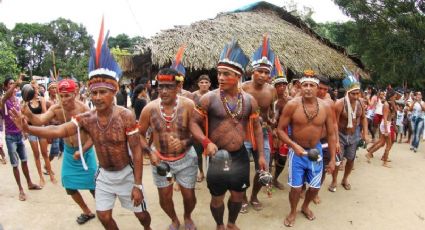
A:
<point x="388" y="35"/>
<point x="8" y="65"/>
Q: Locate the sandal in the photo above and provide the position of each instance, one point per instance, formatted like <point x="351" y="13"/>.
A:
<point x="83" y="218"/>
<point x="35" y="187"/>
<point x="244" y="208"/>
<point x="310" y="218"/>
<point x="22" y="196"/>
<point x="189" y="226"/>
<point x="288" y="223"/>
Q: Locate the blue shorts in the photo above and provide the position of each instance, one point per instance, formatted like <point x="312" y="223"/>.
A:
<point x="301" y="169"/>
<point x="32" y="138"/>
<point x="266" y="147"/>
<point x="54" y="147"/>
<point x="15" y="149"/>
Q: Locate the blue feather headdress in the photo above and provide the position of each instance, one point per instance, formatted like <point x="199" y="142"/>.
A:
<point x="177" y="63"/>
<point x="233" y="58"/>
<point x="350" y="82"/>
<point x="264" y="56"/>
<point x="104" y="71"/>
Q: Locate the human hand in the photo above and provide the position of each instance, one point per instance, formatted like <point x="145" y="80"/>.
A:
<point x="174" y="144"/>
<point x="211" y="149"/>
<point x="330" y="167"/>
<point x="76" y="155"/>
<point x="262" y="163"/>
<point x="136" y="196"/>
<point x="300" y="151"/>
<point x="338" y="148"/>
<point x="19" y="120"/>
<point x="154" y="159"/>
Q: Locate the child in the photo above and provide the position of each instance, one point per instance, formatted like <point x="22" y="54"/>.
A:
<point x="399" y="122"/>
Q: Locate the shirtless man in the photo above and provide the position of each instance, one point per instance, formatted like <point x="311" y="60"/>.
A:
<point x="280" y="83"/>
<point x="322" y="93"/>
<point x="349" y="114"/>
<point x="225" y="113"/>
<point x="74" y="177"/>
<point x="54" y="145"/>
<point x="307" y="115"/>
<point x="264" y="94"/>
<point x="113" y="130"/>
<point x="169" y="116"/>
<point x="295" y="89"/>
<point x="204" y="84"/>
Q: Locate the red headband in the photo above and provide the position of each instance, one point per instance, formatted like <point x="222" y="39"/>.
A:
<point x="67" y="86"/>
<point x="165" y="78"/>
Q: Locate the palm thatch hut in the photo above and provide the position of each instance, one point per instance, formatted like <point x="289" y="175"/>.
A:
<point x="298" y="47"/>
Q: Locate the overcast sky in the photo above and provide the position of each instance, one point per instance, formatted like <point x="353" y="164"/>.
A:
<point x="138" y="17"/>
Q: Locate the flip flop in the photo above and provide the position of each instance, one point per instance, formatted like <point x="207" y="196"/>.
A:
<point x="83" y="218"/>
<point x="288" y="223"/>
<point x="257" y="206"/>
<point x="368" y="157"/>
<point x="189" y="226"/>
<point x="332" y="188"/>
<point x="171" y="227"/>
<point x="35" y="187"/>
<point x="22" y="197"/>
<point x="310" y="218"/>
<point x="346" y="186"/>
<point x="244" y="208"/>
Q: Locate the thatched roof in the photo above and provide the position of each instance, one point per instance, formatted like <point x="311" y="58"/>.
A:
<point x="297" y="46"/>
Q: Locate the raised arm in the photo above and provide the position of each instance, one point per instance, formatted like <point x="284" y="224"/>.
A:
<point x="9" y="93"/>
<point x="39" y="119"/>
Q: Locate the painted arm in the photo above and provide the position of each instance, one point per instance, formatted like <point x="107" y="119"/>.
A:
<point x="144" y="121"/>
<point x="258" y="133"/>
<point x="39" y="119"/>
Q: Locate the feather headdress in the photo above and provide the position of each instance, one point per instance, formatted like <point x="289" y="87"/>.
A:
<point x="264" y="56"/>
<point x="233" y="58"/>
<point x="350" y="81"/>
<point x="104" y="71"/>
<point x="278" y="74"/>
<point x="309" y="76"/>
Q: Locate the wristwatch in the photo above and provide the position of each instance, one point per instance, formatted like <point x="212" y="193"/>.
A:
<point x="139" y="186"/>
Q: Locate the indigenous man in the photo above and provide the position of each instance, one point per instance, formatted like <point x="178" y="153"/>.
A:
<point x="13" y="136"/>
<point x="55" y="149"/>
<point x="280" y="83"/>
<point x="322" y="93"/>
<point x="74" y="176"/>
<point x="113" y="130"/>
<point x="264" y="94"/>
<point x="169" y="116"/>
<point x="226" y="112"/>
<point x="349" y="115"/>
<point x="204" y="84"/>
<point x="307" y="115"/>
<point x="295" y="89"/>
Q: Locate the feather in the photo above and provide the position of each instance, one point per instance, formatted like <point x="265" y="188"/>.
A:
<point x="99" y="43"/>
<point x="266" y="44"/>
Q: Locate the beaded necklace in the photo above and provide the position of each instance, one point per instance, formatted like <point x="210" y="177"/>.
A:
<point x="109" y="122"/>
<point x="234" y="111"/>
<point x="309" y="116"/>
<point x="168" y="118"/>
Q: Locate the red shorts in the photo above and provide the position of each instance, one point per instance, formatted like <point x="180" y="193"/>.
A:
<point x="377" y="119"/>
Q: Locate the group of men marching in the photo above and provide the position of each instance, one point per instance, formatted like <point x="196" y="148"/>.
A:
<point x="227" y="125"/>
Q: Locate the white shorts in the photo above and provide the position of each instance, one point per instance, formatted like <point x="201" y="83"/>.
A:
<point x="113" y="184"/>
<point x="382" y="128"/>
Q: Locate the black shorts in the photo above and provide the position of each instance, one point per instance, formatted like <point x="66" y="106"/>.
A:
<point x="236" y="179"/>
<point x="198" y="148"/>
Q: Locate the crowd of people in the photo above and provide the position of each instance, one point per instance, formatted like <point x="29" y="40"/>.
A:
<point x="304" y="124"/>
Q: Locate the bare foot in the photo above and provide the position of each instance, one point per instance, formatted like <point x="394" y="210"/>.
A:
<point x="42" y="182"/>
<point x="368" y="157"/>
<point x="317" y="200"/>
<point x="386" y="164"/>
<point x="289" y="220"/>
<point x="308" y="214"/>
<point x="22" y="196"/>
<point x="189" y="224"/>
<point x="278" y="185"/>
<point x="174" y="225"/>
<point x="53" y="179"/>
<point x="232" y="226"/>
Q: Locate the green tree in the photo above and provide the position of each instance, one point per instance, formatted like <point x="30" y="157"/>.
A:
<point x="389" y="37"/>
<point x="8" y="66"/>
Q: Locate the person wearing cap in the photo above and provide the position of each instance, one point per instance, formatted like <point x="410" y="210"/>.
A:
<point x="280" y="83"/>
<point x="350" y="113"/>
<point x="264" y="94"/>
<point x="387" y="129"/>
<point x="322" y="93"/>
<point x="204" y="84"/>
<point x="13" y="136"/>
<point x="224" y="118"/>
<point x="114" y="132"/>
<point x="169" y="117"/>
<point x="307" y="116"/>
<point x="73" y="175"/>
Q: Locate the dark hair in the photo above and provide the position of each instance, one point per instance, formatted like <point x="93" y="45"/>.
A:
<point x="323" y="79"/>
<point x="6" y="81"/>
<point x="168" y="71"/>
<point x="137" y="90"/>
<point x="204" y="77"/>
<point x="390" y="94"/>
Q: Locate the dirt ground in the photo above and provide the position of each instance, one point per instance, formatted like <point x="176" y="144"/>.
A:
<point x="381" y="198"/>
